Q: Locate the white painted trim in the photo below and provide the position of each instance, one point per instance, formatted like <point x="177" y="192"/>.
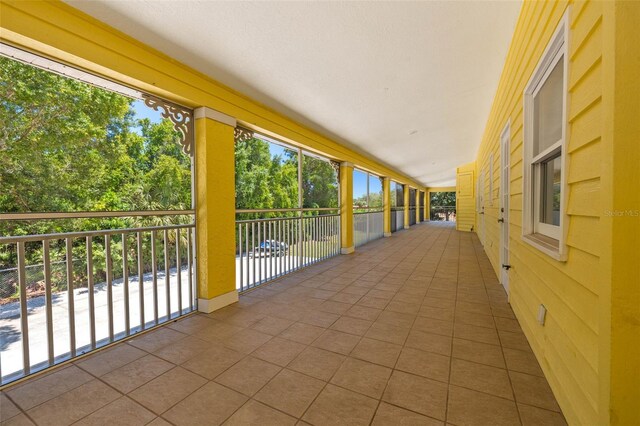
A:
<point x="212" y="114"/>
<point x="407" y="226"/>
<point x="209" y="305"/>
<point x="347" y="250"/>
<point x="346" y="164"/>
<point x="387" y="234"/>
<point x="558" y="47"/>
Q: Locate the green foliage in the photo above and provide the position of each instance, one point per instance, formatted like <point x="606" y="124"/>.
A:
<point x="69" y="146"/>
<point x="443" y="199"/>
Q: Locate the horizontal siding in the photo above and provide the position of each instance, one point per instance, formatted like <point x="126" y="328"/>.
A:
<point x="567" y="346"/>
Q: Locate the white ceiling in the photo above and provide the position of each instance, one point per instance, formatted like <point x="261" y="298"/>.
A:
<point x="410" y="83"/>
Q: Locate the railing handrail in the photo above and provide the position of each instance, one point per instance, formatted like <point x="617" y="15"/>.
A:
<point x="305" y="209"/>
<point x="86" y="214"/>
<point x="443" y="207"/>
<point x="275" y="219"/>
<point x="378" y="210"/>
<point x="78" y="234"/>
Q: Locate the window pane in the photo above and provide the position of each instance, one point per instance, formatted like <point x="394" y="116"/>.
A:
<point x="359" y="189"/>
<point x="547" y="126"/>
<point x="266" y="175"/>
<point x="392" y="192"/>
<point x="319" y="183"/>
<point x="399" y="195"/>
<point x="375" y="191"/>
<point x="550" y="172"/>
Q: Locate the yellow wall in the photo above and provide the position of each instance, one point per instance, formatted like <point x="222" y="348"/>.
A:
<point x="575" y="347"/>
<point x="465" y="197"/>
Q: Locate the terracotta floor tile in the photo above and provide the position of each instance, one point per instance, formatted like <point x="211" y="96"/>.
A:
<point x="387" y="333"/>
<point x="212" y="362"/>
<point x="445" y="314"/>
<point x="337" y="406"/>
<point x="362" y="377"/>
<point x="474" y="319"/>
<point x="522" y="361"/>
<point x="317" y="363"/>
<point x="278" y="351"/>
<point x="126" y="411"/>
<point x="7" y="408"/>
<point x="373" y="302"/>
<point x="471" y="408"/>
<point x="137" y="373"/>
<point x="351" y="325"/>
<point x="534" y="416"/>
<point x="154" y="340"/>
<point x="191" y="324"/>
<point x="363" y="312"/>
<point x="211" y="404"/>
<point x="246" y="341"/>
<point x="272" y="325"/>
<point x="290" y="392"/>
<point x="302" y="333"/>
<point x="19" y="420"/>
<point x="533" y="390"/>
<point x="108" y="360"/>
<point x="478" y="334"/>
<point x="74" y="405"/>
<point x="346" y="297"/>
<point x="256" y="413"/>
<point x="216" y="332"/>
<point x="430" y="342"/>
<point x="514" y="340"/>
<point x="377" y="352"/>
<point x="481" y="353"/>
<point x="398" y="319"/>
<point x="390" y="415"/>
<point x="416" y="393"/>
<point x="319" y="319"/>
<point x="430" y="325"/>
<point x="164" y="391"/>
<point x="182" y="350"/>
<point x="248" y="376"/>
<point x="41" y="389"/>
<point x="332" y="307"/>
<point x="482" y="378"/>
<point x="426" y="364"/>
<point x="336" y="341"/>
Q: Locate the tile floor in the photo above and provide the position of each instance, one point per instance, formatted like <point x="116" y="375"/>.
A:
<point x="412" y="329"/>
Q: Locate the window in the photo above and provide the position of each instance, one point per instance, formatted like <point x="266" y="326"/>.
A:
<point x="544" y="148"/>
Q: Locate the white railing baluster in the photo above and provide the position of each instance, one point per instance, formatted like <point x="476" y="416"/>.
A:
<point x="24" y="322"/>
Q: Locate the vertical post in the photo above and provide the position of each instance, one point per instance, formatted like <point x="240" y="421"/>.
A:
<point x="386" y="205"/>
<point x="427" y="205"/>
<point x="405" y="193"/>
<point x="346" y="208"/>
<point x="417" y="213"/>
<point x="215" y="214"/>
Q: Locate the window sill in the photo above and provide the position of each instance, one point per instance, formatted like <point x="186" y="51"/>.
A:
<point x="547" y="245"/>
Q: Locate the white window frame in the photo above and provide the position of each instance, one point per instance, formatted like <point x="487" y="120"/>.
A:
<point x="549" y="239"/>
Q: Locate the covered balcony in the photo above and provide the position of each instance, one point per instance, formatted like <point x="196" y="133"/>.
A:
<point x="327" y="213"/>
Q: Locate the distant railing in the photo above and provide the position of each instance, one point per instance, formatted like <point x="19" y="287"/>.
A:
<point x="89" y="289"/>
<point x="368" y="225"/>
<point x="412" y="215"/>
<point x="270" y="248"/>
<point x="444" y="213"/>
<point x="397" y="219"/>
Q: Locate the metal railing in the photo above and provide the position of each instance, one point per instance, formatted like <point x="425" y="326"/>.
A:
<point x="445" y="213"/>
<point x="397" y="219"/>
<point x="89" y="289"/>
<point x="270" y="248"/>
<point x="368" y="225"/>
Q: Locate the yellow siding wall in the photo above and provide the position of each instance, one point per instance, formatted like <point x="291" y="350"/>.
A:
<point x="465" y="197"/>
<point x="567" y="346"/>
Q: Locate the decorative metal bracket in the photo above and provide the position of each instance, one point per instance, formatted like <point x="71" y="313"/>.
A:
<point x="335" y="165"/>
<point x="242" y="134"/>
<point x="181" y="117"/>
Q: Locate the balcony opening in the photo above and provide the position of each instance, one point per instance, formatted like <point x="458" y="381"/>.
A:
<point x="442" y="206"/>
<point x="96" y="213"/>
<point x="287" y="209"/>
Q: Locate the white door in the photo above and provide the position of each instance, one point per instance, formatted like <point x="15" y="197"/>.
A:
<point x="504" y="208"/>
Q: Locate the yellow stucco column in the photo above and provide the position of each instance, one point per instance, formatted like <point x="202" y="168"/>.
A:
<point x="405" y="194"/>
<point x="215" y="209"/>
<point x="427" y="208"/>
<point x="386" y="205"/>
<point x="346" y="208"/>
<point x="417" y="206"/>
